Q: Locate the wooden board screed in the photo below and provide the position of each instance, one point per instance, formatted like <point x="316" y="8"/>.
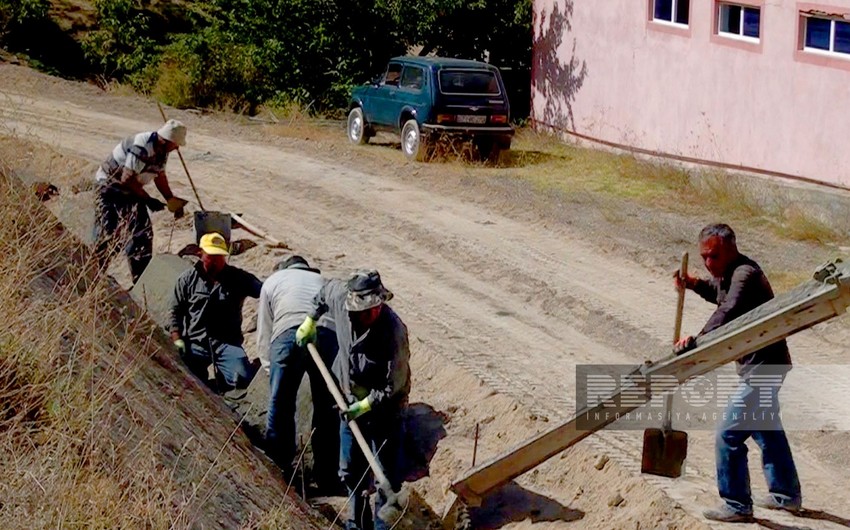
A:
<point x="817" y="300"/>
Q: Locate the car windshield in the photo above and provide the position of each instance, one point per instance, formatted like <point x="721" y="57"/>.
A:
<point x="469" y="82"/>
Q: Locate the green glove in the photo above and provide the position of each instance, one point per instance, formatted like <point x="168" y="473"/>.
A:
<point x="180" y="344"/>
<point x="358" y="408"/>
<point x="306" y="332"/>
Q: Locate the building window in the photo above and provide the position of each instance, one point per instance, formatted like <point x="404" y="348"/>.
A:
<point x="735" y="20"/>
<point x="827" y="35"/>
<point x="672" y="11"/>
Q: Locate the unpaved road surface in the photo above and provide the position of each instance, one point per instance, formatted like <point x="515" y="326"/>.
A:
<point x="517" y="304"/>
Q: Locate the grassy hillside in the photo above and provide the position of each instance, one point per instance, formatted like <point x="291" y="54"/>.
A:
<point x="100" y="425"/>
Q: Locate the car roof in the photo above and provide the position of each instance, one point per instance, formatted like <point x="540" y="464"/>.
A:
<point x="442" y="62"/>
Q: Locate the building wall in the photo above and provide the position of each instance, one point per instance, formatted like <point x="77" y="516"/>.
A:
<point x="603" y="70"/>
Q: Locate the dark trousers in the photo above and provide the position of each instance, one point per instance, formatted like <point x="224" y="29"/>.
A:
<point x="232" y="367"/>
<point x="383" y="431"/>
<point x="122" y="222"/>
<point x="288" y="363"/>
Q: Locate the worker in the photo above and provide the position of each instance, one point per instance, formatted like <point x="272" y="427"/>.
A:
<point x="285" y="300"/>
<point x="122" y="204"/>
<point x="373" y="371"/>
<point x="206" y="316"/>
<point x="737" y="286"/>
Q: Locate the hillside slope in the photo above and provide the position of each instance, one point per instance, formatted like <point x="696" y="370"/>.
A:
<point x="100" y="425"/>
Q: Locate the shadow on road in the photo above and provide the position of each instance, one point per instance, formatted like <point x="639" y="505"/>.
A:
<point x="424" y="428"/>
<point x="512" y="503"/>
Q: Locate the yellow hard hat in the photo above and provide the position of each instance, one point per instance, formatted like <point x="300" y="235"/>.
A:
<point x="214" y="244"/>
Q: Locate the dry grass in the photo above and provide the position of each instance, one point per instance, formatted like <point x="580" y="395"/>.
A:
<point x="98" y="426"/>
<point x="549" y="164"/>
<point x="804" y="227"/>
<point x="60" y="366"/>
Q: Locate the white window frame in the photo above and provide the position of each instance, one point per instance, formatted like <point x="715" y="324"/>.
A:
<point x="737" y="36"/>
<point x="831" y="52"/>
<point x="673" y="11"/>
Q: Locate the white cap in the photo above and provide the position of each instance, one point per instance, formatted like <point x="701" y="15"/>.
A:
<point x="173" y="131"/>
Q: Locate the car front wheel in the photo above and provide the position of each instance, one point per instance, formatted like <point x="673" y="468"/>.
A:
<point x="413" y="144"/>
<point x="357" y="133"/>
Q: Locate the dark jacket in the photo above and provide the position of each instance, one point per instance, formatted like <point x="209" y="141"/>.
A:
<point x="742" y="288"/>
<point x="377" y="362"/>
<point x="204" y="309"/>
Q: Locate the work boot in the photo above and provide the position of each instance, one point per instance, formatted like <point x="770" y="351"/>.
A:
<point x="772" y="502"/>
<point x="727" y="514"/>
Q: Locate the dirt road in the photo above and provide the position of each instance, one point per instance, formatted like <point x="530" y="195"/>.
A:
<point x="516" y="304"/>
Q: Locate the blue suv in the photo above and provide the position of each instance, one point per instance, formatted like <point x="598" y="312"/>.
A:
<point x="424" y="98"/>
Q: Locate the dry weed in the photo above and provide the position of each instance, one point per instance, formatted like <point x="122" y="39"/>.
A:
<point x="803" y="226"/>
<point x="79" y="449"/>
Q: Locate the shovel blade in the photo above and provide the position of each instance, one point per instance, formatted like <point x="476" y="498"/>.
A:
<point x="664" y="452"/>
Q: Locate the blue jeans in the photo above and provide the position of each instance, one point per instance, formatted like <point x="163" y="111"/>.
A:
<point x="232" y="368"/>
<point x="383" y="431"/>
<point x="754" y="411"/>
<point x="288" y="363"/>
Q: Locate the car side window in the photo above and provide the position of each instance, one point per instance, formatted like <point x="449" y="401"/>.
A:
<point x="413" y="78"/>
<point x="393" y="74"/>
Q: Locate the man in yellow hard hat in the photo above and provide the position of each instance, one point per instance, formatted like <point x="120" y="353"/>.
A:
<point x="206" y="316"/>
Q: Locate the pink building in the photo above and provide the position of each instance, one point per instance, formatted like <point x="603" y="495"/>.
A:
<point x="761" y="86"/>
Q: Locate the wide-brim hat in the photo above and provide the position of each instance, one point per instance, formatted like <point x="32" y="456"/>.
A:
<point x="174" y="131"/>
<point x="365" y="291"/>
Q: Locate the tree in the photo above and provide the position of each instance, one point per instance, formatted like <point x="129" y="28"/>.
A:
<point x="14" y="14"/>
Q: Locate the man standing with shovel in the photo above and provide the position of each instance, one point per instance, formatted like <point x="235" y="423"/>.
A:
<point x="121" y="205"/>
<point x="373" y="371"/>
<point x="738" y="286"/>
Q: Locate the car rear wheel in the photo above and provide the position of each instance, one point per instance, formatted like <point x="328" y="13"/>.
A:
<point x="357" y="133"/>
<point x="413" y="144"/>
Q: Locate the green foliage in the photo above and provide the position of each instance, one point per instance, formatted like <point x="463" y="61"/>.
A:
<point x="122" y="45"/>
<point x="15" y="14"/>
<point x="238" y="54"/>
<point x="497" y="30"/>
<point x="210" y="69"/>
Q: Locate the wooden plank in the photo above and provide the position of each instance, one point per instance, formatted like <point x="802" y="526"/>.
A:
<point x="808" y="304"/>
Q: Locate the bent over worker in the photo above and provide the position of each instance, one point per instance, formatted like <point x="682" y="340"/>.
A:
<point x="374" y="375"/>
<point x="121" y="204"/>
<point x="285" y="301"/>
<point x="737" y="286"/>
<point x="206" y="316"/>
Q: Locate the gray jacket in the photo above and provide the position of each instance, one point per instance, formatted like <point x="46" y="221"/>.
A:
<point x="375" y="364"/>
<point x="285" y="300"/>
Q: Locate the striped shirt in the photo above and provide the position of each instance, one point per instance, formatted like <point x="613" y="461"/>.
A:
<point x="137" y="154"/>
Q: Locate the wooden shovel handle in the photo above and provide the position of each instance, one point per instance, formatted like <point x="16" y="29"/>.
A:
<point x="667" y="424"/>
<point x="680" y="306"/>
<point x="380" y="477"/>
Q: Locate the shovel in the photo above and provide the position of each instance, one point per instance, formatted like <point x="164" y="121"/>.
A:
<point x="393" y="509"/>
<point x="665" y="450"/>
